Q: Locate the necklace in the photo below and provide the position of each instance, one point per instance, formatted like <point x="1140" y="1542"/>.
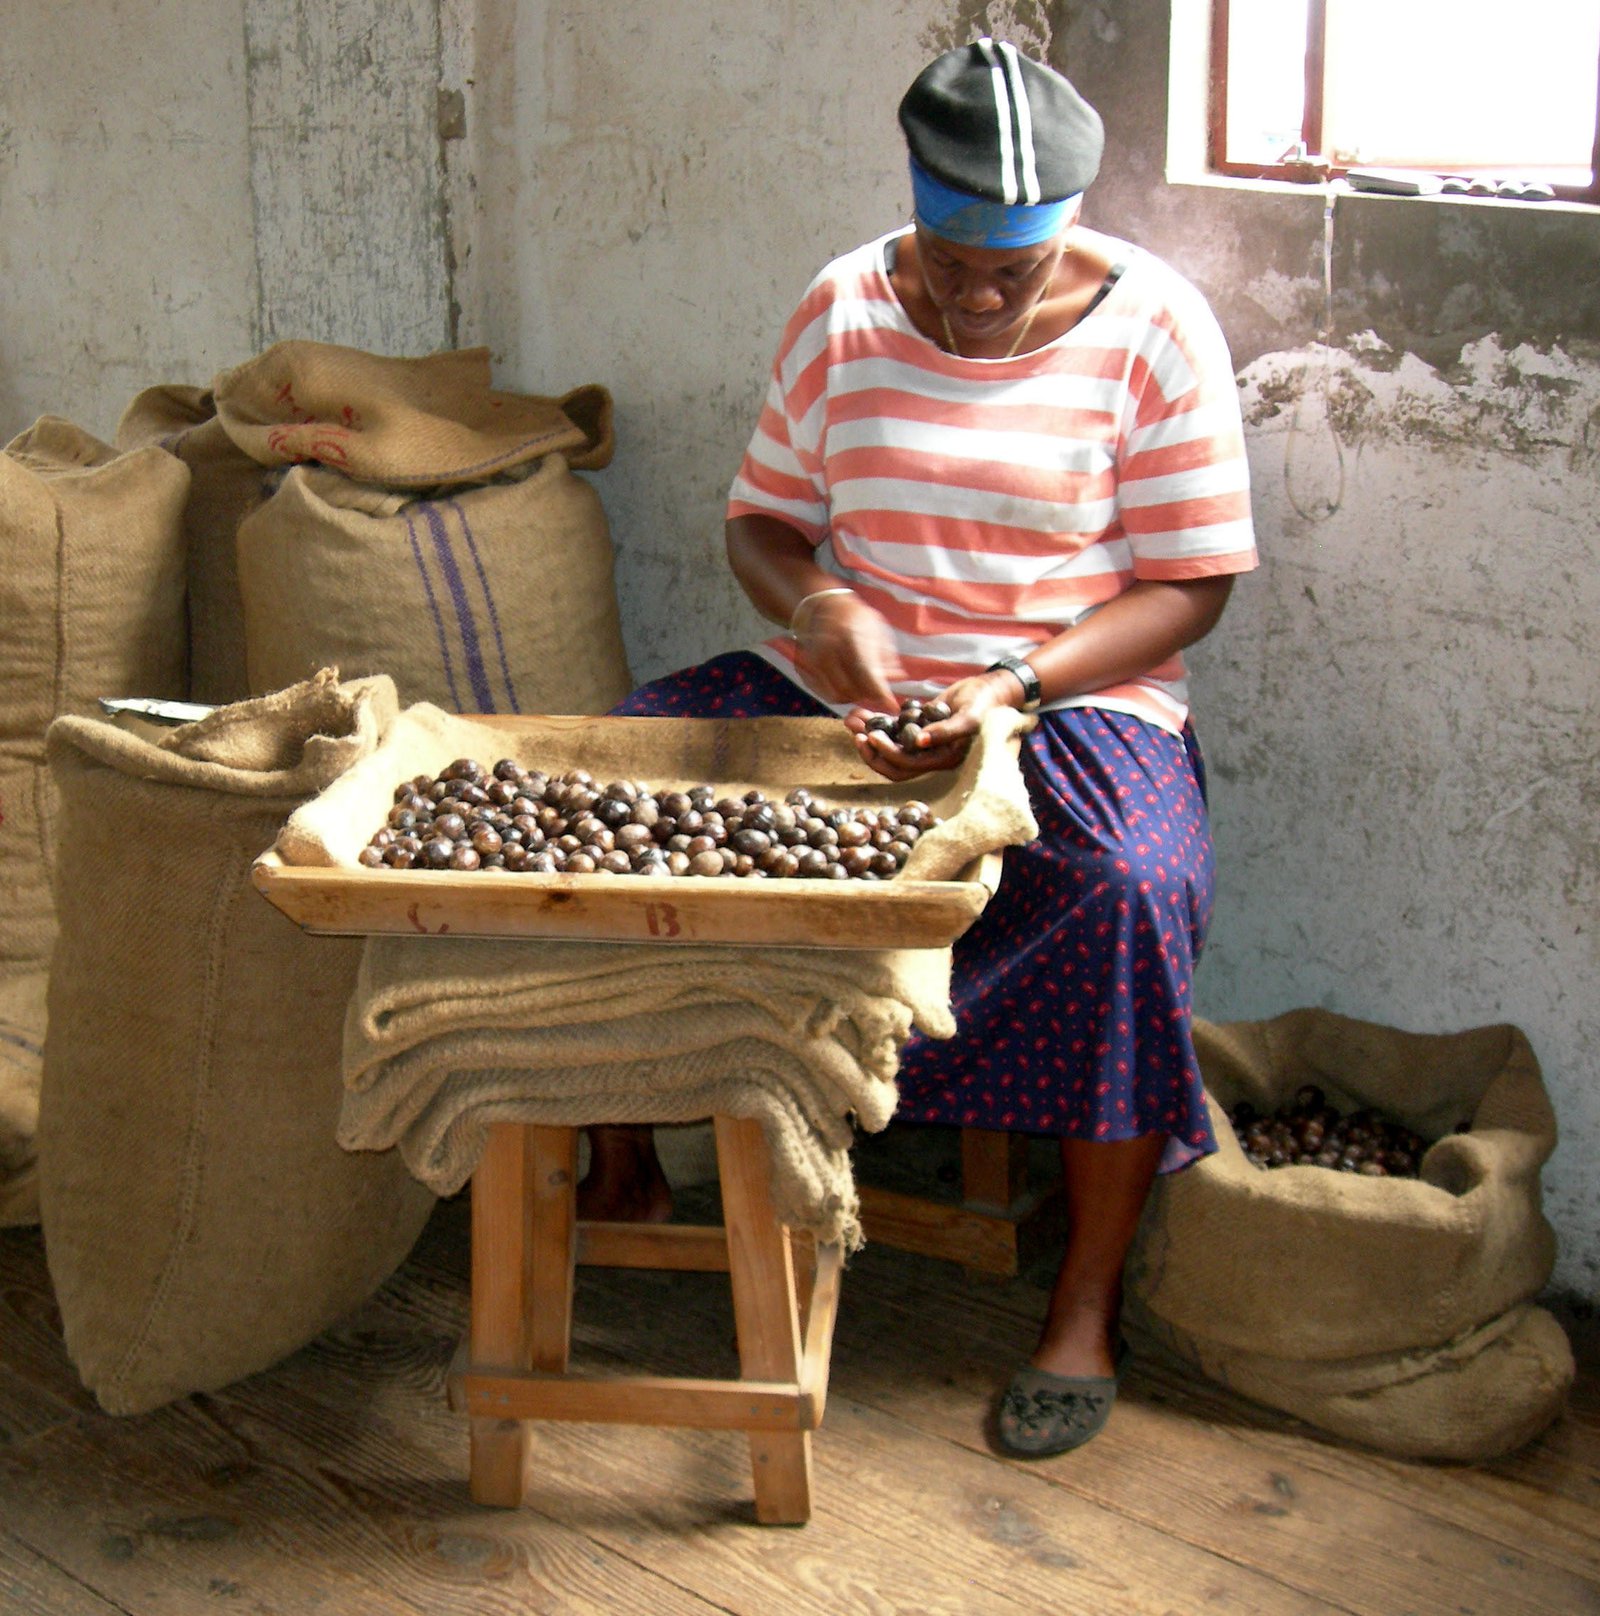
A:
<point x="1010" y="353"/>
<point x="1027" y="324"/>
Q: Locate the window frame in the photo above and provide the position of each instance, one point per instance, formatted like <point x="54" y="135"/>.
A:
<point x="1315" y="167"/>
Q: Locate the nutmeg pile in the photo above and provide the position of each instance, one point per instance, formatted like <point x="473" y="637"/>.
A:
<point x="514" y="819"/>
<point x="1308" y="1132"/>
<point x="906" y="727"/>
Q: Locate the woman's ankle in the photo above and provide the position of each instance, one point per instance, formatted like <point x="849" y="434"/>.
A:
<point x="1080" y="1335"/>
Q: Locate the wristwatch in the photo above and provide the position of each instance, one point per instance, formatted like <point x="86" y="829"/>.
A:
<point x="1032" y="695"/>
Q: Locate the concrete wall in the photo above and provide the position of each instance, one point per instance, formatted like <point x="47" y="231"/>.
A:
<point x="185" y="181"/>
<point x="126" y="246"/>
<point x="1399" y="709"/>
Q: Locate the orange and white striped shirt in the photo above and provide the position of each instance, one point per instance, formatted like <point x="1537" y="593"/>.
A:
<point x="984" y="505"/>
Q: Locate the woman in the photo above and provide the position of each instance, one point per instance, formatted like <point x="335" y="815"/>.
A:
<point x="1000" y="461"/>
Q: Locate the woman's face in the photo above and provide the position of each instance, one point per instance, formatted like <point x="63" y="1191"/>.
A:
<point x="986" y="291"/>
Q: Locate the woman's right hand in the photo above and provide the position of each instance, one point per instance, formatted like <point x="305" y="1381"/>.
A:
<point x="845" y="652"/>
<point x="843" y="648"/>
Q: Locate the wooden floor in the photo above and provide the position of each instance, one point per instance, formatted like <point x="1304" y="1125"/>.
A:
<point x="337" y="1482"/>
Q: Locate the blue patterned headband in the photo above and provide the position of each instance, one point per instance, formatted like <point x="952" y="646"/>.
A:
<point x="974" y="221"/>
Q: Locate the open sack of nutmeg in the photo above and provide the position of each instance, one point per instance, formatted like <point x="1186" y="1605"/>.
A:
<point x="1396" y="1311"/>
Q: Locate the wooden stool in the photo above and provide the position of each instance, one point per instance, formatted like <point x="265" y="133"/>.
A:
<point x="981" y="1232"/>
<point x="526" y="1238"/>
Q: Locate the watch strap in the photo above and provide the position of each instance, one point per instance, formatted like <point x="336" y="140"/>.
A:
<point x="1032" y="692"/>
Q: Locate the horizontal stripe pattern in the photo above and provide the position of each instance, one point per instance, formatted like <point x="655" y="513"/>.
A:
<point x="983" y="506"/>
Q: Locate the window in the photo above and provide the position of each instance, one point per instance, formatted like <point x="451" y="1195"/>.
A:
<point x="1492" y="92"/>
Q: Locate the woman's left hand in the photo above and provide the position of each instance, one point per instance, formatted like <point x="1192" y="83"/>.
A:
<point x="943" y="744"/>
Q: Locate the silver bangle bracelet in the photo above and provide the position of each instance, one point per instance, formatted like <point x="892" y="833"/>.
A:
<point x="816" y="594"/>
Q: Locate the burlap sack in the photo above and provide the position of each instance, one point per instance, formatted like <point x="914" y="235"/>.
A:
<point x="200" y="1220"/>
<point x="1471" y="1399"/>
<point x="22" y="1012"/>
<point x="1306" y="1263"/>
<point x="402" y="423"/>
<point x="225" y="485"/>
<point x="1392" y="1312"/>
<point x="27" y="934"/>
<point x="91" y="604"/>
<point x="498" y="599"/>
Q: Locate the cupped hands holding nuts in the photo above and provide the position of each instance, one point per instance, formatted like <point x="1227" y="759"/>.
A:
<point x="926" y="736"/>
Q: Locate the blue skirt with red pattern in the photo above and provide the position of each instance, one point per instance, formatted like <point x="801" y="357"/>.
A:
<point x="1072" y="990"/>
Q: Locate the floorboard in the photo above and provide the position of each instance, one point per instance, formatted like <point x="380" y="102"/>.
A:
<point x="31" y="1586"/>
<point x="336" y="1482"/>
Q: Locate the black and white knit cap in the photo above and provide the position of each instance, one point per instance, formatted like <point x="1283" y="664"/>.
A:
<point x="989" y="121"/>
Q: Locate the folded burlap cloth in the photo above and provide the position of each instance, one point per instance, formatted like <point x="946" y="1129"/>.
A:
<point x="445" y="1036"/>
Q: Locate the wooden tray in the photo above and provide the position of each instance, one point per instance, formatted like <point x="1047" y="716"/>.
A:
<point x="902" y="913"/>
<point x="630" y="908"/>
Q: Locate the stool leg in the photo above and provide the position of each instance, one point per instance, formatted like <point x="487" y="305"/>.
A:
<point x="552" y="1246"/>
<point x="994" y="1168"/>
<point x="761" y="1268"/>
<point x="523" y="1234"/>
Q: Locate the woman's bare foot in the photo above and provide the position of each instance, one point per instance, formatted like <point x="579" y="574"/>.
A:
<point x="625" y="1183"/>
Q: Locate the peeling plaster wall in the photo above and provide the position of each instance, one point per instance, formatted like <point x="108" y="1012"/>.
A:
<point x="1402" y="718"/>
<point x="1400" y="709"/>
<point x="346" y="173"/>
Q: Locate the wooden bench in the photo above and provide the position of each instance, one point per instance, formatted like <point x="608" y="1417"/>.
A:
<point x="526" y="1240"/>
<point x="982" y="1231"/>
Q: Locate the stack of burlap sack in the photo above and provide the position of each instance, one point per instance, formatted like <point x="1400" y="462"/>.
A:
<point x="446" y="1036"/>
<point x="315" y="507"/>
<point x="393" y="516"/>
<point x="91" y="604"/>
<point x="1391" y="1311"/>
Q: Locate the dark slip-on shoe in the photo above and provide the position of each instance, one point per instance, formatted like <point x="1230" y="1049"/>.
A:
<point x="1041" y="1414"/>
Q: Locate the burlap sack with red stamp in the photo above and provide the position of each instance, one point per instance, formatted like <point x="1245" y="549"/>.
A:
<point x="91" y="603"/>
<point x="433" y="422"/>
<point x="402" y="422"/>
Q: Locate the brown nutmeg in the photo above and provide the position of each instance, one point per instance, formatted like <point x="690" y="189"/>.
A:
<point x="1307" y="1131"/>
<point x="516" y="820"/>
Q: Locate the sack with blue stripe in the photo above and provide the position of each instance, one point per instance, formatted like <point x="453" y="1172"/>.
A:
<point x="427" y="528"/>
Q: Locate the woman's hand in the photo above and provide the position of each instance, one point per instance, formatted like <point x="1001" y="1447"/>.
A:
<point x="944" y="744"/>
<point x="843" y="648"/>
<point x="845" y="651"/>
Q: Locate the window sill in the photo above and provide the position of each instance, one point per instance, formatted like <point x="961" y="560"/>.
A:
<point x="1344" y="193"/>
